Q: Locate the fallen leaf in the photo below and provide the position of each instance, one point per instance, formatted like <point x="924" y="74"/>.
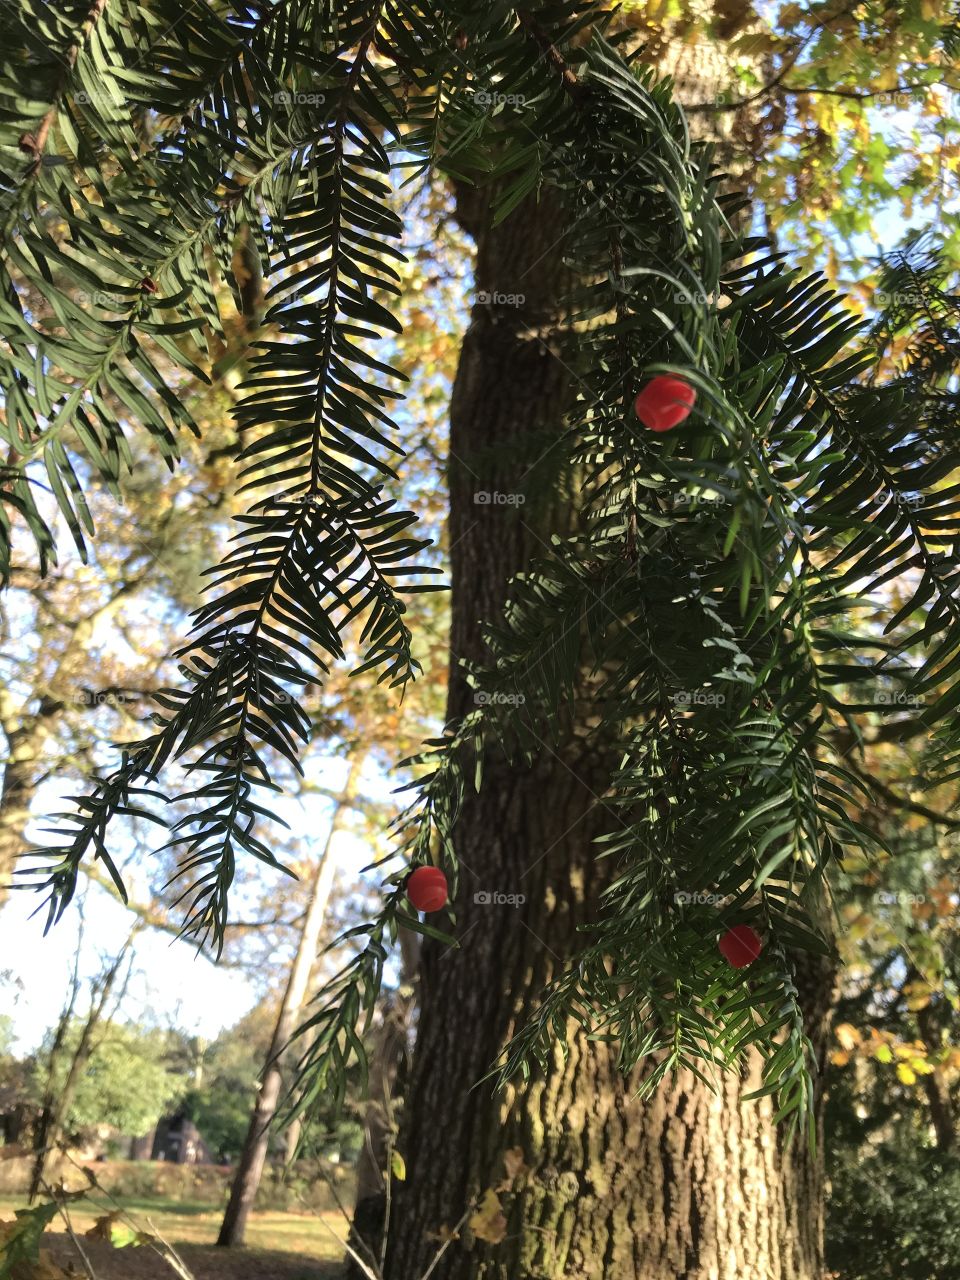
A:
<point x="115" y="1231"/>
<point x="488" y="1222"/>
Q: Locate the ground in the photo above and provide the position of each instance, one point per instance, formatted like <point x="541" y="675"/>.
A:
<point x="203" y="1262"/>
<point x="282" y="1246"/>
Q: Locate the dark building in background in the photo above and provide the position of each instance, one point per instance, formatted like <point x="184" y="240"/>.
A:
<point x="178" y="1141"/>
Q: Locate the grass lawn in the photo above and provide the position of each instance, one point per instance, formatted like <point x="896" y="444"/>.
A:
<point x="280" y="1246"/>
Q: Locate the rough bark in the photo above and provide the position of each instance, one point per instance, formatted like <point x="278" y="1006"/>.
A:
<point x="689" y="1184"/>
<point x="246" y="1181"/>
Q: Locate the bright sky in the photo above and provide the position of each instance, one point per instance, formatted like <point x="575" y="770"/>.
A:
<point x="170" y="979"/>
<point x="171" y="985"/>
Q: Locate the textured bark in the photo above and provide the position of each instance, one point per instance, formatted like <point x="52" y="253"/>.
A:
<point x="246" y="1180"/>
<point x="689" y="1184"/>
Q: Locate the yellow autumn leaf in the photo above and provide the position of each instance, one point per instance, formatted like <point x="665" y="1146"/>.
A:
<point x="848" y="1036"/>
<point x="398" y="1166"/>
<point x="905" y="1074"/>
<point x="488" y="1222"/>
<point x="909" y="1049"/>
<point x="882" y="1053"/>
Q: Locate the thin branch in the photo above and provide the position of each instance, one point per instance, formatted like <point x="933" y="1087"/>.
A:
<point x="62" y="1210"/>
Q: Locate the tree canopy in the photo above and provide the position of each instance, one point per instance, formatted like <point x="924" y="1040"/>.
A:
<point x="721" y="593"/>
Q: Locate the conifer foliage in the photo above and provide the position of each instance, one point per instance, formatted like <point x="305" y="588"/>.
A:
<point x="722" y="595"/>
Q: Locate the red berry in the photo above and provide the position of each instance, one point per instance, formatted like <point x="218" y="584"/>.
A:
<point x="740" y="946"/>
<point x="427" y="889"/>
<point x="148" y="285"/>
<point x="664" y="403"/>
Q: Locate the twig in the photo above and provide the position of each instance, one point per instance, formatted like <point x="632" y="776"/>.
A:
<point x="346" y="1216"/>
<point x="64" y="1214"/>
<point x="168" y="1252"/>
<point x="164" y="1250"/>
<point x="448" y="1242"/>
<point x="575" y="88"/>
<point x="345" y="1244"/>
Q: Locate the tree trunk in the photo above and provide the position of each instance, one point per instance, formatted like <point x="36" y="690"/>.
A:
<point x="389" y="1053"/>
<point x="58" y="1100"/>
<point x="27" y="733"/>
<point x="26" y="737"/>
<point x="591" y="1182"/>
<point x="246" y="1182"/>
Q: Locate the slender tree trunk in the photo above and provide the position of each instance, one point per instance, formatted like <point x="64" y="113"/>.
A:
<point x="26" y="737"/>
<point x="59" y="1098"/>
<point x="689" y="1185"/>
<point x="935" y="1085"/>
<point x="388" y="1055"/>
<point x="246" y="1181"/>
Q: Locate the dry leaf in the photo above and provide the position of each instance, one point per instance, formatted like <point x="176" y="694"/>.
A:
<point x="102" y="1229"/>
<point x="514" y="1167"/>
<point x="488" y="1222"/>
<point x="443" y="1235"/>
